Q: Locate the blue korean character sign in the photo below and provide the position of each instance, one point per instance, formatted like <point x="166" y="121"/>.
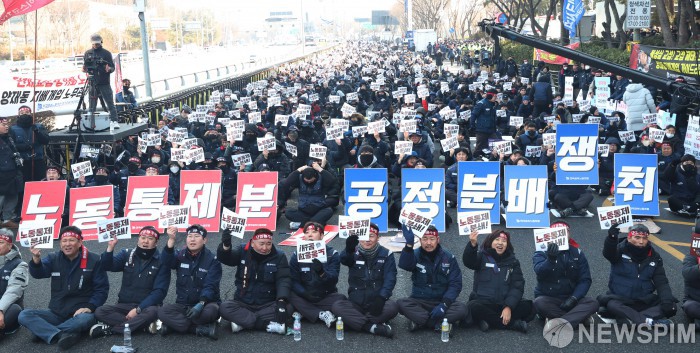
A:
<point x="479" y="188"/>
<point x="577" y="154"/>
<point x="366" y="195"/>
<point x="527" y="194"/>
<point x="424" y="190"/>
<point x="637" y="183"/>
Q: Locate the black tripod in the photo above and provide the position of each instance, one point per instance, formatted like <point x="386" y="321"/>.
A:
<point x="77" y="115"/>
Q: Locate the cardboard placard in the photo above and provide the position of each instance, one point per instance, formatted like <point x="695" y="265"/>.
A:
<point x="234" y="222"/>
<point x="173" y="215"/>
<point x="403" y="147"/>
<point x="266" y="143"/>
<point x="36" y="233"/>
<point x="108" y="229"/>
<point x="620" y="215"/>
<point x="307" y="251"/>
<point x="479" y="221"/>
<point x="417" y="221"/>
<point x="81" y="169"/>
<point x="317" y="151"/>
<point x="544" y="236"/>
<point x="348" y="226"/>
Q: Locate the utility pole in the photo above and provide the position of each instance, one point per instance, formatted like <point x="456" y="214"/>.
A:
<point x="140" y="7"/>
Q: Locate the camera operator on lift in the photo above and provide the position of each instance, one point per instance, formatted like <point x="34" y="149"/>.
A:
<point x="98" y="63"/>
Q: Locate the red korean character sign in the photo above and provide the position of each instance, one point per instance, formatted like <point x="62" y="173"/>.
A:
<point x="44" y="200"/>
<point x="90" y="205"/>
<point x="201" y="191"/>
<point x="256" y="199"/>
<point x="145" y="196"/>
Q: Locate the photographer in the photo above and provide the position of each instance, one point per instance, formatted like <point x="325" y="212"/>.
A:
<point x="30" y="139"/>
<point x="99" y="64"/>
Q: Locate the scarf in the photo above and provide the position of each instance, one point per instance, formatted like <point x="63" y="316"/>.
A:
<point x="636" y="253"/>
<point x="369" y="253"/>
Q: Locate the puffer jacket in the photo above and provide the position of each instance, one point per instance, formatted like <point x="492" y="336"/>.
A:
<point x="639" y="102"/>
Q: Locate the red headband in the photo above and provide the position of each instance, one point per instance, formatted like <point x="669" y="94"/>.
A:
<point x="312" y="226"/>
<point x="503" y="235"/>
<point x="149" y="233"/>
<point x="373" y="230"/>
<point x="262" y="236"/>
<point x="636" y="232"/>
<point x="431" y="232"/>
<point x="6" y="238"/>
<point x="70" y="234"/>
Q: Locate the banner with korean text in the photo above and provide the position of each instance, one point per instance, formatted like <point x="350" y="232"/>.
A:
<point x="145" y="196"/>
<point x="366" y="195"/>
<point x="527" y="194"/>
<point x="89" y="206"/>
<point x="256" y="199"/>
<point x="44" y="200"/>
<point x="479" y="188"/>
<point x="577" y="154"/>
<point x="637" y="183"/>
<point x="424" y="191"/>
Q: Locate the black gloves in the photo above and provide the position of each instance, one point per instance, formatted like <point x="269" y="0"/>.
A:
<point x="669" y="309"/>
<point x="195" y="311"/>
<point x="408" y="235"/>
<point x="351" y="243"/>
<point x="614" y="231"/>
<point x="281" y="312"/>
<point x="316" y="266"/>
<point x="376" y="306"/>
<point x="226" y="238"/>
<point x="552" y="251"/>
<point x="569" y="303"/>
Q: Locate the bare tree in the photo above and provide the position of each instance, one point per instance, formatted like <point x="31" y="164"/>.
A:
<point x="461" y="16"/>
<point x="428" y="14"/>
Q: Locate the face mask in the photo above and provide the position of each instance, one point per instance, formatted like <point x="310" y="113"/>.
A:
<point x="223" y="167"/>
<point x="133" y="167"/>
<point x="318" y="125"/>
<point x="155" y="160"/>
<point x="531" y="133"/>
<point x="670" y="135"/>
<point x="24" y="120"/>
<point x="174" y="169"/>
<point x="366" y="159"/>
<point x="250" y="136"/>
<point x="101" y="179"/>
<point x="126" y="88"/>
<point x="646" y="143"/>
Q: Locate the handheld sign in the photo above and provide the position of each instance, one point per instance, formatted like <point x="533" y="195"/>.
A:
<point x="403" y="147"/>
<point x="516" y="121"/>
<point x="334" y="133"/>
<point x="620" y="215"/>
<point x="290" y="148"/>
<point x="558" y="235"/>
<point x="359" y="131"/>
<point x="307" y="251"/>
<point x="36" y="233"/>
<point x="695" y="245"/>
<point x="266" y="143"/>
<point x="627" y="136"/>
<point x="317" y="151"/>
<point x="178" y="216"/>
<point x="348" y="226"/>
<point x="603" y="149"/>
<point x="235" y="223"/>
<point x="415" y="220"/>
<point x="108" y="229"/>
<point x="657" y="135"/>
<point x="449" y="143"/>
<point x="241" y="158"/>
<point x="376" y="127"/>
<point x="577" y="154"/>
<point x="81" y="169"/>
<point x="479" y="221"/>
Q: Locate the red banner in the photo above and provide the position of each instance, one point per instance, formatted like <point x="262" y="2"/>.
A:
<point x="201" y="191"/>
<point x="550" y="58"/>
<point x="20" y="7"/>
<point x="89" y="205"/>
<point x="256" y="198"/>
<point x="145" y="196"/>
<point x="44" y="200"/>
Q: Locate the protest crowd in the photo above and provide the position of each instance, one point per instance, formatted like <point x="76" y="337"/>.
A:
<point x="385" y="139"/>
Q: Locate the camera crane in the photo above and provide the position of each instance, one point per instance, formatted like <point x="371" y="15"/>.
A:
<point x="495" y="31"/>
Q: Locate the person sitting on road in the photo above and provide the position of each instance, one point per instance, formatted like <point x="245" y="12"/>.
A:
<point x="314" y="284"/>
<point x="319" y="194"/>
<point x="14" y="278"/>
<point x="563" y="280"/>
<point x="638" y="289"/>
<point x="497" y="295"/>
<point x="437" y="282"/>
<point x="685" y="184"/>
<point x="371" y="280"/>
<point x="691" y="278"/>
<point x="568" y="200"/>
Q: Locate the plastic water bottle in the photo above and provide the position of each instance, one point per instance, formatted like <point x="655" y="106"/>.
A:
<point x="127" y="336"/>
<point x="445" y="331"/>
<point x="339" y="329"/>
<point x="297" y="329"/>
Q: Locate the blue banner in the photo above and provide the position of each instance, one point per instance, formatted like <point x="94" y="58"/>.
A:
<point x="366" y="195"/>
<point x="479" y="188"/>
<point x="424" y="189"/>
<point x="637" y="183"/>
<point x="573" y="11"/>
<point x="577" y="154"/>
<point x="527" y="194"/>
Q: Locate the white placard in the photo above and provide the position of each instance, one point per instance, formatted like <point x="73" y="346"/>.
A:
<point x="307" y="251"/>
<point x="620" y="215"/>
<point x="471" y="221"/>
<point x="409" y="98"/>
<point x="290" y="148"/>
<point x="81" y="169"/>
<point x="627" y="136"/>
<point x="449" y="143"/>
<point x="516" y="121"/>
<point x="533" y="151"/>
<point x="417" y="221"/>
<point x="408" y="125"/>
<point x="281" y="119"/>
<point x="254" y="117"/>
<point x="195" y="155"/>
<point x="359" y="131"/>
<point x="108" y="229"/>
<point x="38" y="233"/>
<point x="317" y="151"/>
<point x="657" y="134"/>
<point x="403" y="147"/>
<point x="334" y="133"/>
<point x="341" y="123"/>
<point x="173" y="215"/>
<point x="234" y="222"/>
<point x="348" y="226"/>
<point x="504" y="147"/>
<point x="266" y="143"/>
<point x="241" y="158"/>
<point x="544" y="236"/>
<point x="603" y="149"/>
<point x="649" y="119"/>
<point x="375" y="127"/>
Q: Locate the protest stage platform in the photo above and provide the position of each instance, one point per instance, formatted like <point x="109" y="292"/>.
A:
<point x="64" y="136"/>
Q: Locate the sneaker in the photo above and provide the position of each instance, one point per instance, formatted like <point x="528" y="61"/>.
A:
<point x="566" y="212"/>
<point x="208" y="331"/>
<point x="114" y="125"/>
<point x="275" y="327"/>
<point x="154" y="327"/>
<point x="383" y="330"/>
<point x="327" y="317"/>
<point x="581" y="213"/>
<point x="519" y="325"/>
<point x="236" y="327"/>
<point x="685" y="213"/>
<point x="68" y="340"/>
<point x="483" y="326"/>
<point x="294" y="225"/>
<point x="412" y="326"/>
<point x="164" y="330"/>
<point x="100" y="330"/>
